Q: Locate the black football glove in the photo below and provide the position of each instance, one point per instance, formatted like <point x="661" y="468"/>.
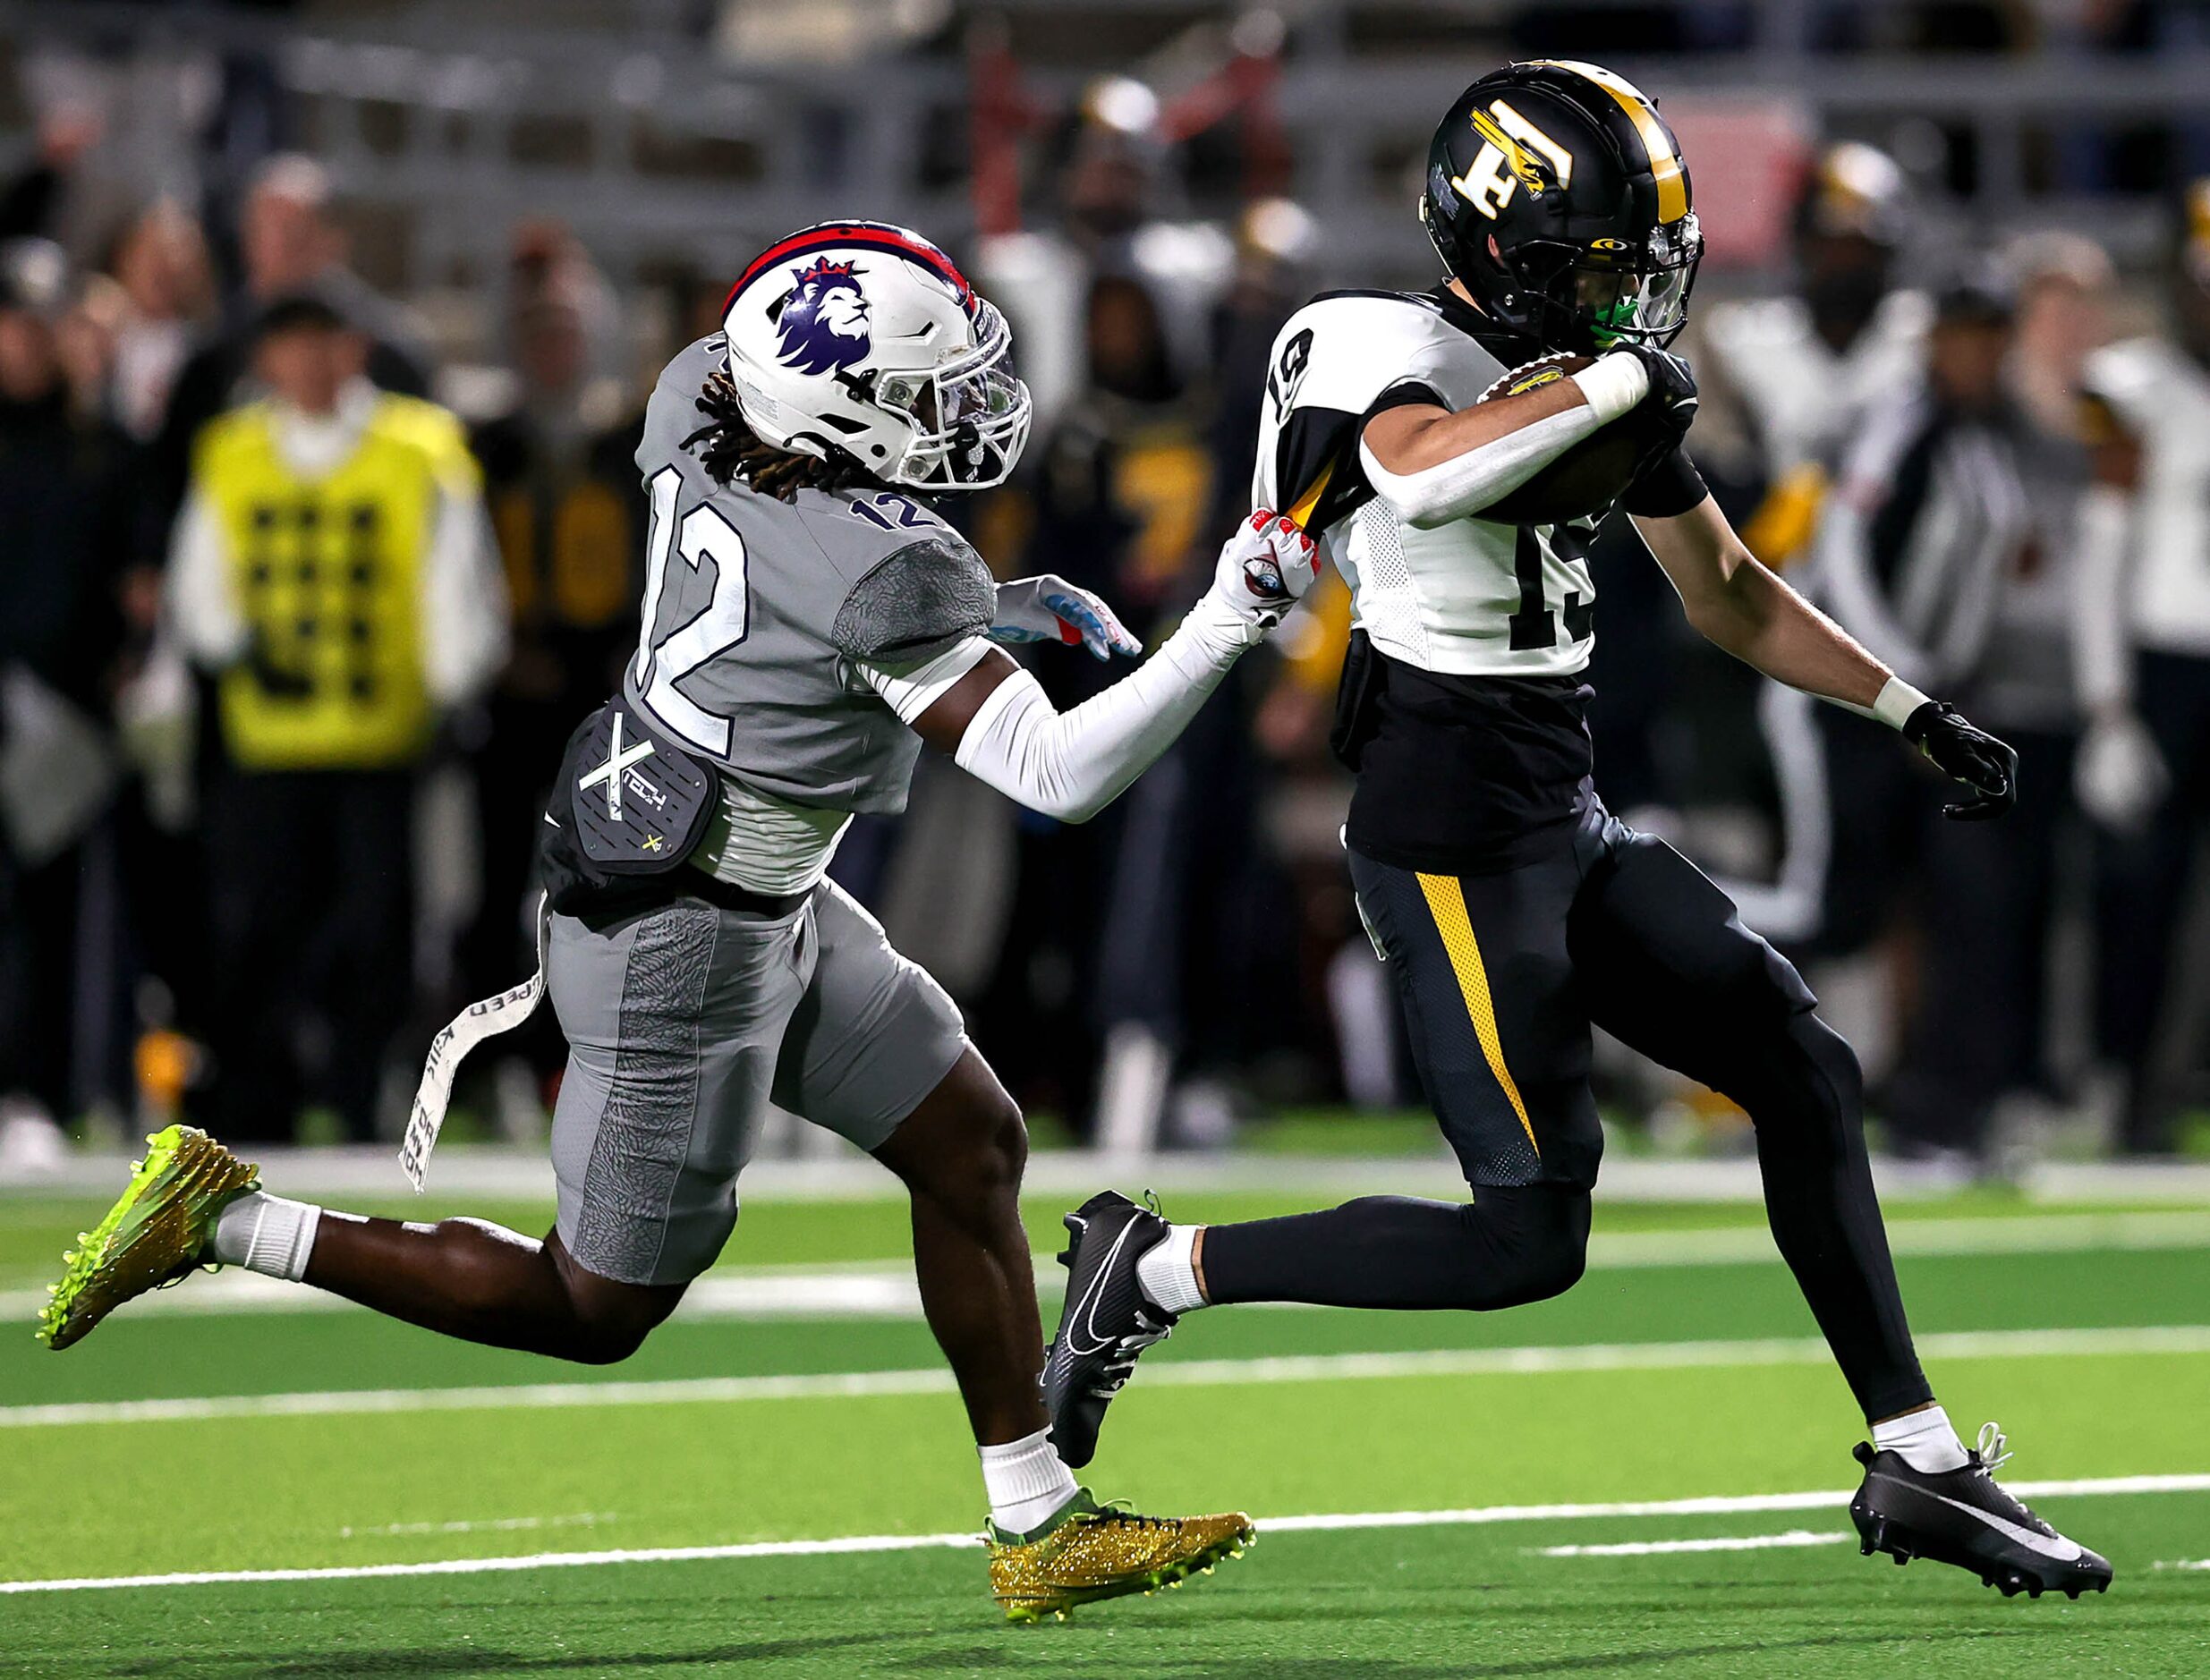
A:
<point x="1987" y="766"/>
<point x="1673" y="386"/>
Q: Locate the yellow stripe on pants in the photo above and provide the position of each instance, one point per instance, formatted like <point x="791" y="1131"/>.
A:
<point x="1446" y="902"/>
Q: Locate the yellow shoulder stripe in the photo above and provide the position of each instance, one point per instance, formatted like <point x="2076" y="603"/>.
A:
<point x="1672" y="181"/>
<point x="1300" y="512"/>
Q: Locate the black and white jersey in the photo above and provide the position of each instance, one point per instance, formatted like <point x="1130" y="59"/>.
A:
<point x="1468" y="599"/>
<point x="1469" y="637"/>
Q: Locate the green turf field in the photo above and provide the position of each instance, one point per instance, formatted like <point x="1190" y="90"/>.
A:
<point x="1435" y="1493"/>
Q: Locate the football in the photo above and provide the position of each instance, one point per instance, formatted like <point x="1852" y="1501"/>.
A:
<point x="1589" y="477"/>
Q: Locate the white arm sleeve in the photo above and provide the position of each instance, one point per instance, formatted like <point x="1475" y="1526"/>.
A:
<point x="202" y="606"/>
<point x="1467" y="483"/>
<point x="464" y="599"/>
<point x="1072" y="765"/>
<point x="2101" y="656"/>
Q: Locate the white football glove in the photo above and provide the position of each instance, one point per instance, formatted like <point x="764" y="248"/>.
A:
<point x="1265" y="568"/>
<point x="1050" y="608"/>
<point x="2119" y="776"/>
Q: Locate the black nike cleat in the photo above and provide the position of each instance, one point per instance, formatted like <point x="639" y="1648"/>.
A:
<point x="1962" y="1517"/>
<point x="1106" y="1323"/>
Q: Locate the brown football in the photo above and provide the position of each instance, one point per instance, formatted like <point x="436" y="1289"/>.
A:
<point x="1589" y="477"/>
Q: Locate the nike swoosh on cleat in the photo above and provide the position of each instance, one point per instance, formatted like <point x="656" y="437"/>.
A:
<point x="1087" y="1305"/>
<point x="2058" y="1549"/>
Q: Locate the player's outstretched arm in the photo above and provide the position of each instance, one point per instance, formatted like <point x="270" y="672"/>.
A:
<point x="997" y="724"/>
<point x="1741" y="606"/>
<point x="1433" y="464"/>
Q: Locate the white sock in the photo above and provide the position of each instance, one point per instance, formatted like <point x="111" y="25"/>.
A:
<point x="1925" y="1439"/>
<point x="1167" y="1271"/>
<point x="1026" y="1481"/>
<point x="266" y="1234"/>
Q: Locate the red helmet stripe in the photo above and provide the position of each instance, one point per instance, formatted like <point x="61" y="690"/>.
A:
<point x="864" y="237"/>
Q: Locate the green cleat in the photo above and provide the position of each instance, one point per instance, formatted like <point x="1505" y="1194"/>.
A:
<point x="154" y="1235"/>
<point x="1090" y="1552"/>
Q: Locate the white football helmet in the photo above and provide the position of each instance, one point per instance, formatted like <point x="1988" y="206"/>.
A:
<point x="864" y="337"/>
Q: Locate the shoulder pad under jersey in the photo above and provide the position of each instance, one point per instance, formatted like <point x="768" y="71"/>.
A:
<point x="916" y="602"/>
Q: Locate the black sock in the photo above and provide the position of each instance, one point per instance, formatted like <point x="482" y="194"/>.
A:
<point x="1510" y="1245"/>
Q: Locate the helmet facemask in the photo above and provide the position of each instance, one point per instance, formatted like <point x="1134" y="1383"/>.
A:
<point x="1592" y="297"/>
<point x="970" y="414"/>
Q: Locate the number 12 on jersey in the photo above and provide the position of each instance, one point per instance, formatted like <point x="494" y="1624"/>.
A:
<point x="702" y="538"/>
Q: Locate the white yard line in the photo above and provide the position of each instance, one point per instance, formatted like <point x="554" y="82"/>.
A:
<point x="1720" y="1543"/>
<point x="885" y="1289"/>
<point x="493" y="1171"/>
<point x="2181" y="1562"/>
<point x="1721" y="1505"/>
<point x="480" y="1525"/>
<point x="1482" y="1361"/>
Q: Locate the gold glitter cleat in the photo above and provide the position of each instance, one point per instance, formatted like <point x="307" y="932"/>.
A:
<point x="154" y="1235"/>
<point x="1090" y="1552"/>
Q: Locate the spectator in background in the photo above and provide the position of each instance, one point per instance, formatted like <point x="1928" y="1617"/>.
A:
<point x="288" y="246"/>
<point x="561" y="483"/>
<point x="62" y="472"/>
<point x="2142" y="647"/>
<point x="331" y="569"/>
<point x="1104" y="218"/>
<point x="1992" y="899"/>
<point x="1988" y="901"/>
<point x="1127" y="477"/>
<point x="546" y="260"/>
<point x="1274" y="247"/>
<point x="1928" y="516"/>
<point x="1112" y="502"/>
<point x="32" y="202"/>
<point x="161" y="264"/>
<point x="1790" y="371"/>
<point x="1785" y="380"/>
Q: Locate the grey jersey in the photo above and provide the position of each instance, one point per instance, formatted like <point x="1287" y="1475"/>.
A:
<point x="759" y="613"/>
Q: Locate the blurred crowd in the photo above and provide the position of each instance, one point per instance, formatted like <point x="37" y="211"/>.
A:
<point x="290" y="647"/>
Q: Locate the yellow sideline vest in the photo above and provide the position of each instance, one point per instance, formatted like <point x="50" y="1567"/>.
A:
<point x="327" y="572"/>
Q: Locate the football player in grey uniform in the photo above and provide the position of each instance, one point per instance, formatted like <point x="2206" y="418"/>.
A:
<point x="1513" y="911"/>
<point x="808" y="624"/>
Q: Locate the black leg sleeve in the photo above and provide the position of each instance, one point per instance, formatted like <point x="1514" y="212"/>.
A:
<point x="1666" y="965"/>
<point x="1509" y="1246"/>
<point x="1803" y="1092"/>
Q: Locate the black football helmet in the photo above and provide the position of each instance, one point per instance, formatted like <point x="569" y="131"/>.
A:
<point x="1558" y="196"/>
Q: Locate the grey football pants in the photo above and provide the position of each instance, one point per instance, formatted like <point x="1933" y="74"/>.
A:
<point x="683" y="1022"/>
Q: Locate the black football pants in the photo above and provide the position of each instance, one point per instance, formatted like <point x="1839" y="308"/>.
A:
<point x="1500" y="977"/>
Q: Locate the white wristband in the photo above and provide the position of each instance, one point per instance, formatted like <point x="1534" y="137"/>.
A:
<point x="1611" y="385"/>
<point x="1898" y="700"/>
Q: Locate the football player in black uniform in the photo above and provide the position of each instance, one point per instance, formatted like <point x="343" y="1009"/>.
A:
<point x="1512" y="910"/>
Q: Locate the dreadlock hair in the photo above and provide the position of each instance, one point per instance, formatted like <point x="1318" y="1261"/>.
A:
<point x="731" y="450"/>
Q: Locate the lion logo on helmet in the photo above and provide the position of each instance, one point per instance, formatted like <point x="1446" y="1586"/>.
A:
<point x="824" y="323"/>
